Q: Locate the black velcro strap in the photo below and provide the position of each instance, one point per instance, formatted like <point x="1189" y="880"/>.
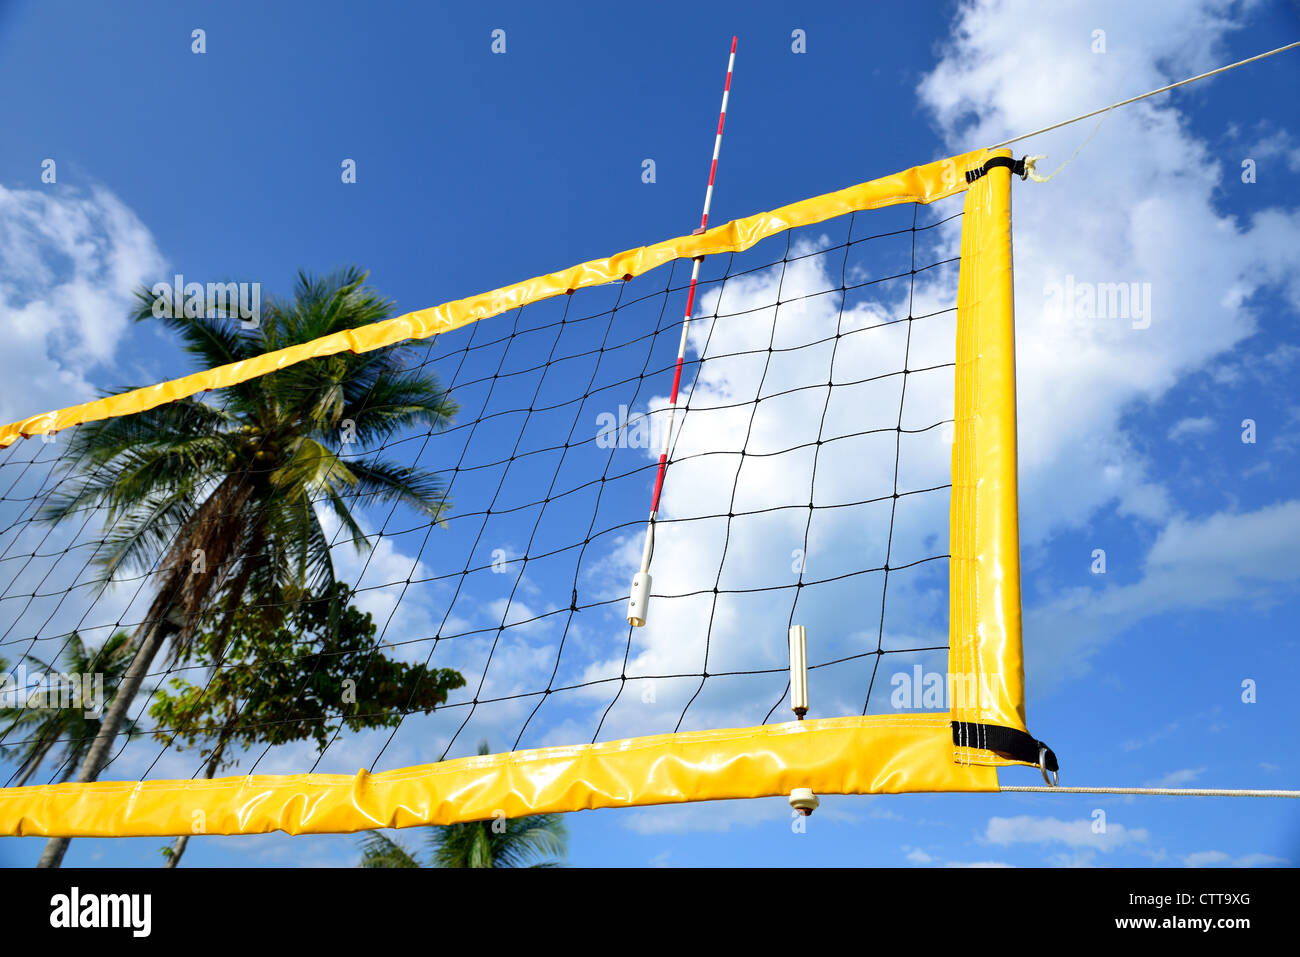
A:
<point x="1016" y="745"/>
<point x="1016" y="166"/>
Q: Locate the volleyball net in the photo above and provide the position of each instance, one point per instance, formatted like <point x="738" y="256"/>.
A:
<point x="380" y="546"/>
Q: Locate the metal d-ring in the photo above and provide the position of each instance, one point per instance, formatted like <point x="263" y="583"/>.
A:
<point x="1055" y="779"/>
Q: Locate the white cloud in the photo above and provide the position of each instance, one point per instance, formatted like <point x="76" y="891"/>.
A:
<point x="1220" y="560"/>
<point x="1244" y="545"/>
<point x="1277" y="144"/>
<point x="516" y="614"/>
<point x="69" y="263"/>
<point x="1191" y="426"/>
<point x="1080" y="857"/>
<point x="977" y="864"/>
<point x="1221" y="859"/>
<point x="1107" y="219"/>
<point x="1260" y="860"/>
<point x="1026" y="829"/>
<point x="1176" y="779"/>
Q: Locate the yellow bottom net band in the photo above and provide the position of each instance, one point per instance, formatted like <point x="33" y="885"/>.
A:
<point x="860" y="755"/>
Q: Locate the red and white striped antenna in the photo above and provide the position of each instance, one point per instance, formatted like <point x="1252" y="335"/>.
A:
<point x="639" y="599"/>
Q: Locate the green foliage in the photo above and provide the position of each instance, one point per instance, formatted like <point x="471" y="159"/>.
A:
<point x="539" y="840"/>
<point x="297" y="678"/>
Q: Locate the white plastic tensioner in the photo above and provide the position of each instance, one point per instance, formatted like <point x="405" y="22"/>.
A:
<point x="802" y="800"/>
<point x="638" y="603"/>
<point x="799" y="670"/>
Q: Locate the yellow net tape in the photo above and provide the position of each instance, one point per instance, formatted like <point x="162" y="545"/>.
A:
<point x="985" y="644"/>
<point x="851" y="755"/>
<point x="921" y="184"/>
<point x="864" y="755"/>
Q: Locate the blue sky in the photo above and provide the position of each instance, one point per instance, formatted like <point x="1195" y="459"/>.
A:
<point x="475" y="170"/>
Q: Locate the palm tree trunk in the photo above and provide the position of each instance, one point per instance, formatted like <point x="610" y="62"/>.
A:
<point x="114" y="718"/>
<point x="178" y="847"/>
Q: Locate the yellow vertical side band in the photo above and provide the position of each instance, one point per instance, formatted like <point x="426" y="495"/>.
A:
<point x="858" y="755"/>
<point x="985" y="649"/>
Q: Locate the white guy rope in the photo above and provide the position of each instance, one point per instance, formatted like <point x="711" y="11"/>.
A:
<point x="1168" y="792"/>
<point x="1134" y="99"/>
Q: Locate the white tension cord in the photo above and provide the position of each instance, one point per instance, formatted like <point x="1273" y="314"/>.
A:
<point x="1134" y="99"/>
<point x="1167" y="792"/>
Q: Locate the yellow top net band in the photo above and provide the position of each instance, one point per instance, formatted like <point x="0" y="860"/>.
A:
<point x="920" y="184"/>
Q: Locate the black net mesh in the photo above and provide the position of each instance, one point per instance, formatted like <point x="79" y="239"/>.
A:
<point x="808" y="483"/>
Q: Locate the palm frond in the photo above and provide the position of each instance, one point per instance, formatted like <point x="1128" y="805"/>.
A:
<point x="392" y="402"/>
<point x="215" y="341"/>
<point x="527" y="840"/>
<point x="380" y="851"/>
<point x="380" y="479"/>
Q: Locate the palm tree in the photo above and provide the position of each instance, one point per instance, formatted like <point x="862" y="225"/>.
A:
<point x="220" y="501"/>
<point x="40" y="729"/>
<point x="539" y="840"/>
<point x="532" y="841"/>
